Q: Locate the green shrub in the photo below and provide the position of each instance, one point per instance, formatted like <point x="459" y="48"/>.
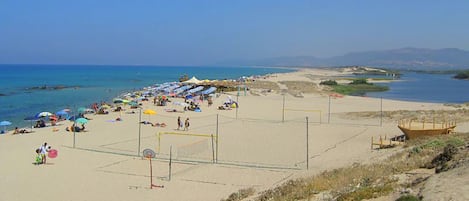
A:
<point x="433" y="144"/>
<point x="408" y="198"/>
<point x="462" y="75"/>
<point x="328" y="82"/>
<point x="359" y="81"/>
<point x="455" y="141"/>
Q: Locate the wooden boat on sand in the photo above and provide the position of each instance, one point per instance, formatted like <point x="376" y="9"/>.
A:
<point x="414" y="130"/>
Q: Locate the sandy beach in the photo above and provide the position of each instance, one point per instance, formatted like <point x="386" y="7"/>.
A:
<point x="260" y="144"/>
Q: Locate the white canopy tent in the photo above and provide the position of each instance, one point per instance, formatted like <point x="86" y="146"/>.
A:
<point x="193" y="80"/>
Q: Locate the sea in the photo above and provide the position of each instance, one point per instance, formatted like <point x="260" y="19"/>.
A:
<point x="26" y="90"/>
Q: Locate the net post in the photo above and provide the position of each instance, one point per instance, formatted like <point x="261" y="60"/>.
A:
<point x="283" y="109"/>
<point x="213" y="149"/>
<point x="159" y="142"/>
<point x="329" y="111"/>
<point x="216" y="156"/>
<point x="307" y="144"/>
<point x="139" y="130"/>
<point x="170" y="161"/>
<point x="381" y="116"/>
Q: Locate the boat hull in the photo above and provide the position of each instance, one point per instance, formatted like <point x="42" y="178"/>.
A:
<point x="416" y="133"/>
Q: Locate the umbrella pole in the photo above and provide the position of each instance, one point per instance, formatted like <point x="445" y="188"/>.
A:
<point x="74" y="123"/>
<point x="139" y="130"/>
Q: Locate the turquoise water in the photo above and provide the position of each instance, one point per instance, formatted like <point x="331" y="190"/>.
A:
<point x="89" y="84"/>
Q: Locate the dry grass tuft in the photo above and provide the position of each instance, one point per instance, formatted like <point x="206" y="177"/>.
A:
<point x="459" y="115"/>
<point x="260" y="84"/>
<point x="240" y="195"/>
<point x="300" y="86"/>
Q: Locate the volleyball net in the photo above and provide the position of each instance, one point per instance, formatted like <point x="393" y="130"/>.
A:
<point x="182" y="145"/>
<point x="293" y="114"/>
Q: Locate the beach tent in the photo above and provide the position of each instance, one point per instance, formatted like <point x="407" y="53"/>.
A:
<point x="170" y="88"/>
<point x="193" y="80"/>
<point x="199" y="88"/>
<point x="209" y="90"/>
<point x="182" y="89"/>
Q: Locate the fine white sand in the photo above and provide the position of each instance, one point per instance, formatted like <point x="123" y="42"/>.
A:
<point x="260" y="146"/>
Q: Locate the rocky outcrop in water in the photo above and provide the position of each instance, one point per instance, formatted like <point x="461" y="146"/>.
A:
<point x="56" y="87"/>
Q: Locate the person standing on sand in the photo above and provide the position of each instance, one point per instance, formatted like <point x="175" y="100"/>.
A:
<point x="44" y="149"/>
<point x="179" y="123"/>
<point x="186" y="124"/>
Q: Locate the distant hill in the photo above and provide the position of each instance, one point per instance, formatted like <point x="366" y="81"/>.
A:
<point x="404" y="58"/>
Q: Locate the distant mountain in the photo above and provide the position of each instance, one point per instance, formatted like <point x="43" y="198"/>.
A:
<point x="404" y="58"/>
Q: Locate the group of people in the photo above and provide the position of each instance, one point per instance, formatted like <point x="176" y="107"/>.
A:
<point x="41" y="152"/>
<point x="183" y="125"/>
<point x="40" y="123"/>
<point x="75" y="128"/>
<point x="154" y="124"/>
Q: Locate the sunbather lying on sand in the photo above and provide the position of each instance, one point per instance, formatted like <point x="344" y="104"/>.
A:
<point x="158" y="124"/>
<point x="18" y="131"/>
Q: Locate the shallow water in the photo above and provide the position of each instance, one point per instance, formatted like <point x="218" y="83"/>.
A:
<point x="425" y="87"/>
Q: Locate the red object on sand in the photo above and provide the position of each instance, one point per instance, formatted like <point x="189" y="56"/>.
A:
<point x="52" y="153"/>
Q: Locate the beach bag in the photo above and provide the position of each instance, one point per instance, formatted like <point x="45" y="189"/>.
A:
<point x="38" y="159"/>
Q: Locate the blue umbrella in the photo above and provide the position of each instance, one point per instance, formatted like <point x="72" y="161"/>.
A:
<point x="31" y="119"/>
<point x="61" y="112"/>
<point x="73" y="118"/>
<point x="43" y="114"/>
<point x="81" y="110"/>
<point x="4" y="124"/>
<point x="81" y="120"/>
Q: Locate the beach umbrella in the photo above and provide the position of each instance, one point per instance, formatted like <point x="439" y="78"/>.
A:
<point x="43" y="114"/>
<point x="118" y="100"/>
<point x="105" y="106"/>
<point x="31" y="119"/>
<point x="73" y="118"/>
<point x="81" y="110"/>
<point x="133" y="104"/>
<point x="54" y="118"/>
<point x="81" y="120"/>
<point x="149" y="112"/>
<point x="61" y="112"/>
<point x="5" y="124"/>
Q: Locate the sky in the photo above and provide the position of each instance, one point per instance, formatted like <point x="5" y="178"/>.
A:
<point x="199" y="32"/>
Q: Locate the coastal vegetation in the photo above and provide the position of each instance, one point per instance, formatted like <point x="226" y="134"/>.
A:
<point x="366" y="181"/>
<point x="464" y="75"/>
<point x="54" y="87"/>
<point x="356" y="87"/>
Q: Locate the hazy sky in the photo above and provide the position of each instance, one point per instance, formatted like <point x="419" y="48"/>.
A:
<point x="167" y="32"/>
